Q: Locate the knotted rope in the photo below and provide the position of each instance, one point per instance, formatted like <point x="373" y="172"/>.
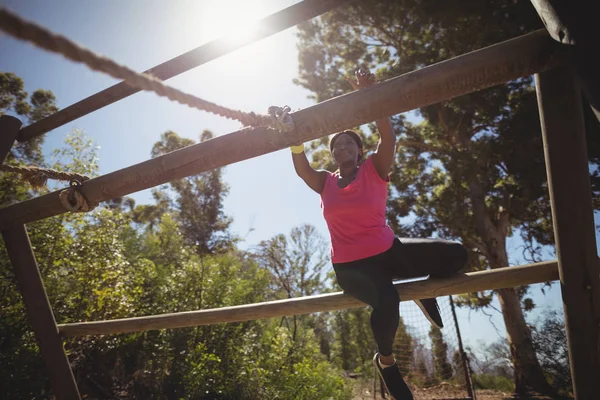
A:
<point x="17" y="27"/>
<point x="37" y="177"/>
<point x="280" y="118"/>
<point x="71" y="198"/>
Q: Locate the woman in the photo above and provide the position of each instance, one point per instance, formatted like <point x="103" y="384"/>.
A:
<point x="365" y="253"/>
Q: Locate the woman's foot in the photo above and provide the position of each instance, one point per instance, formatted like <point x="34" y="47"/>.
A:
<point x="431" y="310"/>
<point x="393" y="381"/>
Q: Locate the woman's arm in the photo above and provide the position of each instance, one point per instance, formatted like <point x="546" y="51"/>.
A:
<point x="314" y="179"/>
<point x="383" y="158"/>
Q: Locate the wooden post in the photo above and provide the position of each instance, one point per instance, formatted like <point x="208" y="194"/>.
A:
<point x="474" y="71"/>
<point x="9" y="130"/>
<point x="459" y="283"/>
<point x="559" y="101"/>
<point x="574" y="25"/>
<point x="39" y="312"/>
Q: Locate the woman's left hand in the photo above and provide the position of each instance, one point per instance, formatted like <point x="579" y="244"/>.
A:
<point x="364" y="79"/>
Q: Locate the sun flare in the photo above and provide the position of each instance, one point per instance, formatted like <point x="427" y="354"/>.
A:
<point x="232" y="20"/>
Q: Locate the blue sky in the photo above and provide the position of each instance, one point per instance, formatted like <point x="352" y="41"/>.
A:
<point x="266" y="197"/>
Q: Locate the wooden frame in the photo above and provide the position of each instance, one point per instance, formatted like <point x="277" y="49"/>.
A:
<point x="460" y="283"/>
<point x="565" y="149"/>
<point x="39" y="312"/>
<point x="9" y="130"/>
<point x="564" y="139"/>
<point x="461" y="75"/>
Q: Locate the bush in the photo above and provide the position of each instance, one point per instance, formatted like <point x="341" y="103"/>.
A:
<point x="494" y="382"/>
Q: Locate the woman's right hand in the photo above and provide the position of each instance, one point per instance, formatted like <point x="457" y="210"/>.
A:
<point x="363" y="79"/>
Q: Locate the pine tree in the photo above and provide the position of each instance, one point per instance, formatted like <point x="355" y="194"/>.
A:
<point x="443" y="369"/>
<point x="199" y="201"/>
<point x="403" y="347"/>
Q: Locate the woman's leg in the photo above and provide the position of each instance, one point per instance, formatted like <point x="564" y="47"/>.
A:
<point x="369" y="281"/>
<point x="421" y="257"/>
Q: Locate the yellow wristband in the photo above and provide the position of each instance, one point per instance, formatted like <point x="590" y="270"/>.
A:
<point x="297" y="149"/>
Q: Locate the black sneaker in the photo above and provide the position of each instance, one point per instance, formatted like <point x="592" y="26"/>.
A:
<point x="431" y="310"/>
<point x="393" y="381"/>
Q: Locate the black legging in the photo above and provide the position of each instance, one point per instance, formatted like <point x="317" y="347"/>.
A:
<point x="370" y="279"/>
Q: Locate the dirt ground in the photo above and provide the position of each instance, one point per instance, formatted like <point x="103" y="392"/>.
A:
<point x="445" y="391"/>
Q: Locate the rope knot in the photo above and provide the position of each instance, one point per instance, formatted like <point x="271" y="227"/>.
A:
<point x="280" y="119"/>
<point x="72" y="199"/>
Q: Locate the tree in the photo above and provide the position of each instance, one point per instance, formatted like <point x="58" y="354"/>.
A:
<point x="52" y="239"/>
<point x="199" y="200"/>
<point x="475" y="169"/>
<point x="403" y="346"/>
<point x="550" y="341"/>
<point x="14" y="101"/>
<point x="296" y="266"/>
<point x="296" y="263"/>
<point x="442" y="368"/>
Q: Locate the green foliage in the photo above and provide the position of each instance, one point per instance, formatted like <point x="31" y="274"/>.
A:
<point x="353" y="347"/>
<point x="199" y="201"/>
<point x="14" y="101"/>
<point x="550" y="342"/>
<point x="493" y="382"/>
<point x="124" y="260"/>
<point x="12" y="95"/>
<point x="403" y="346"/>
<point x="52" y="240"/>
<point x="296" y="263"/>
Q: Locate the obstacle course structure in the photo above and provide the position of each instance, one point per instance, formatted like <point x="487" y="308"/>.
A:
<point x="561" y="117"/>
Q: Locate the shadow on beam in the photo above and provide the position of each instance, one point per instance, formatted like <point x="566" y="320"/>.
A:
<point x="461" y="283"/>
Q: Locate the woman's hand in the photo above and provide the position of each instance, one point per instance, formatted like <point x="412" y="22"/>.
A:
<point x="364" y="79"/>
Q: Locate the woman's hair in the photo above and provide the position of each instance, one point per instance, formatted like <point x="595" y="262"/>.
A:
<point x="355" y="136"/>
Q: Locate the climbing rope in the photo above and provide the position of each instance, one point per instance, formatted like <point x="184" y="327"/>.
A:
<point x="71" y="198"/>
<point x="17" y="27"/>
<point x="37" y="177"/>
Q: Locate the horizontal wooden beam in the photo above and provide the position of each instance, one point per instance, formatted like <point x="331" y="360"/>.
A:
<point x="461" y="283"/>
<point x="270" y="25"/>
<point x="474" y="71"/>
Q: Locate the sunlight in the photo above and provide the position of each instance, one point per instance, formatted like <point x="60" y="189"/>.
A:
<point x="235" y="20"/>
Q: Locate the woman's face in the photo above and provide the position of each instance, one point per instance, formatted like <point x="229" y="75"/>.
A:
<point x="345" y="151"/>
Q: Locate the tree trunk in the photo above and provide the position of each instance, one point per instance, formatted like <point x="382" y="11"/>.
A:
<point x="528" y="372"/>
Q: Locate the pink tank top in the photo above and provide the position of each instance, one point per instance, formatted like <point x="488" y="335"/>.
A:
<point x="355" y="215"/>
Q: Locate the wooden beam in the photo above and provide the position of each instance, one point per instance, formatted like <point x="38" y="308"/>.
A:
<point x="270" y="25"/>
<point x="461" y="283"/>
<point x="559" y="101"/>
<point x="9" y="129"/>
<point x="480" y="69"/>
<point x="575" y="25"/>
<point x="39" y="312"/>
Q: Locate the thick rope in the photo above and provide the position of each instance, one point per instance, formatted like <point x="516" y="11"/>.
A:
<point x="37" y="177"/>
<point x="15" y="26"/>
<point x="71" y="198"/>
